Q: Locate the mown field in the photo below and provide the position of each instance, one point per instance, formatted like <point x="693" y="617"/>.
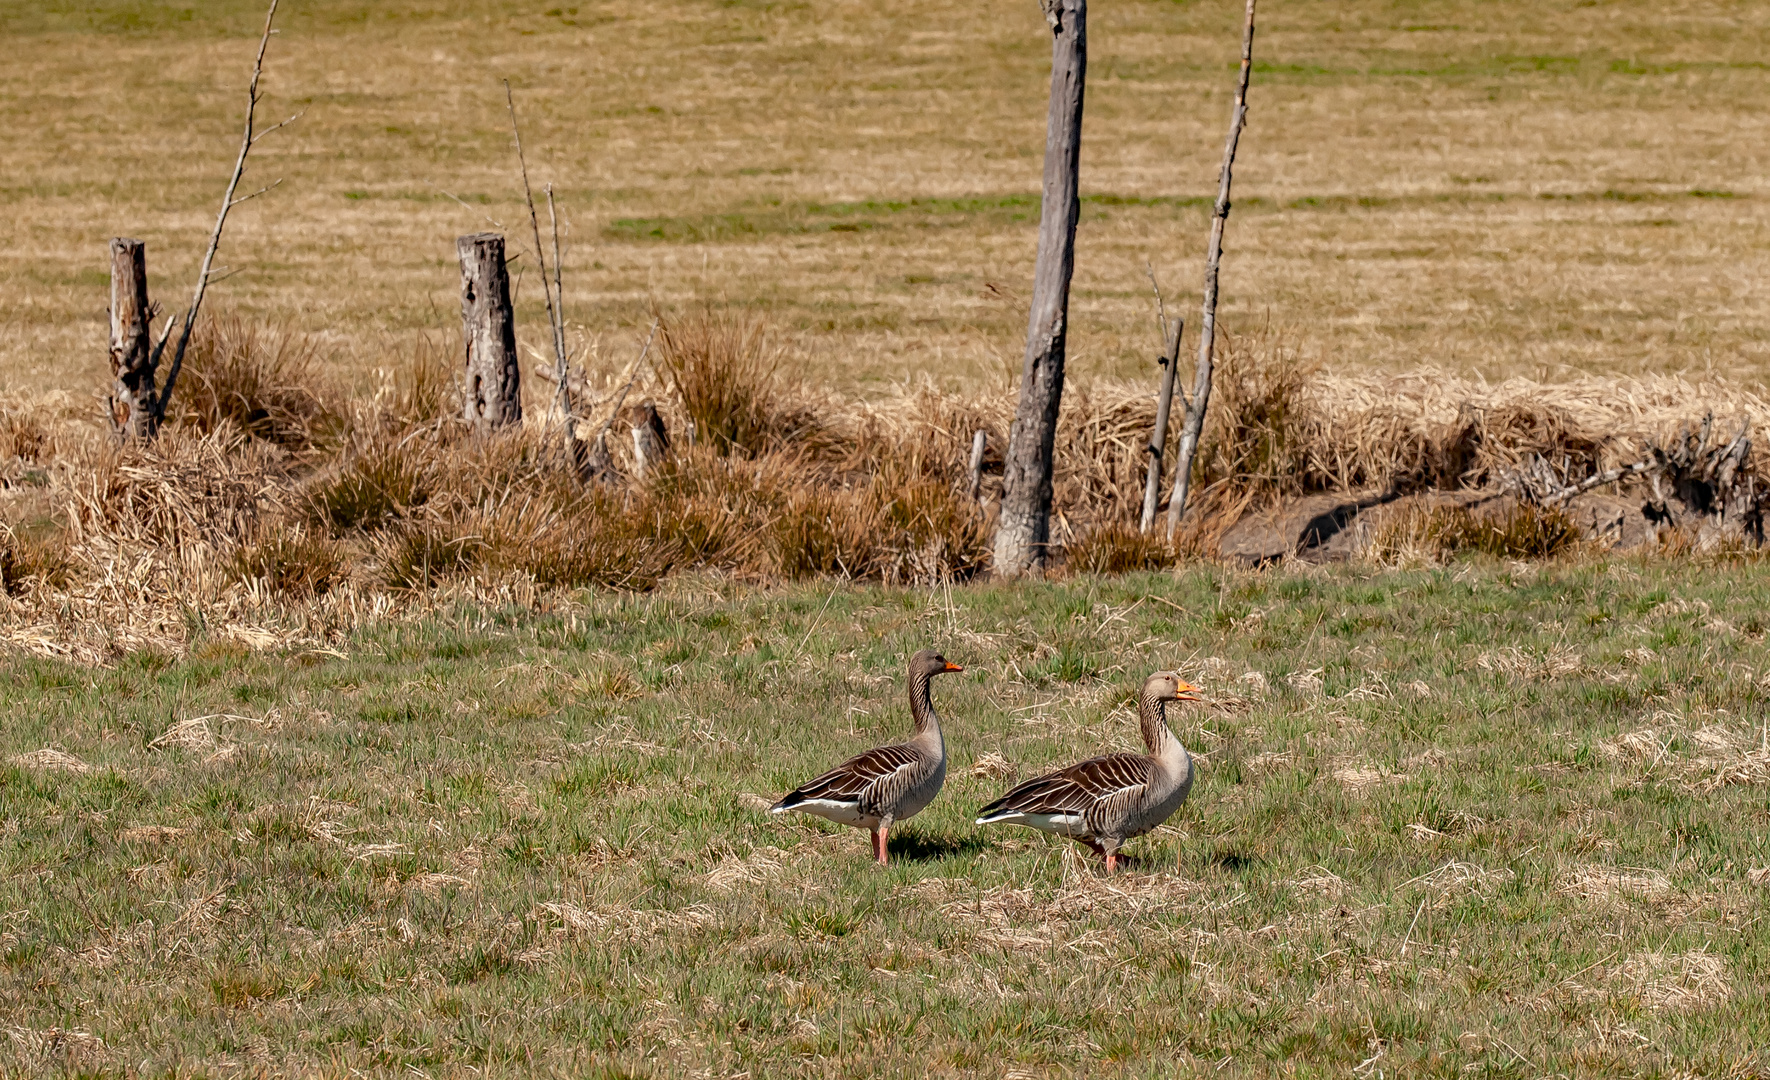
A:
<point x="1501" y="188"/>
<point x="1476" y="820"/>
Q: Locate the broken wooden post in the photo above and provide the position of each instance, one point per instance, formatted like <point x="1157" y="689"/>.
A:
<point x="651" y="441"/>
<point x="1164" y="403"/>
<point x="494" y="377"/>
<point x="978" y="442"/>
<point x="1194" y="426"/>
<point x="1025" y="524"/>
<point x="132" y="404"/>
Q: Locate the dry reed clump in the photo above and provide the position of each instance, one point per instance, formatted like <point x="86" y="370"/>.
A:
<point x="1117" y="547"/>
<point x="1428" y="534"/>
<point x="257" y="379"/>
<point x="30" y="561"/>
<point x="724" y="372"/>
<point x="184" y="488"/>
<point x="1257" y="433"/>
<point x="24" y="437"/>
<point x="380" y="480"/>
<point x="292" y="562"/>
<point x="290" y="494"/>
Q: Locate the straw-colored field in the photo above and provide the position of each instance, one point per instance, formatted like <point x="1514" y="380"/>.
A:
<point x="1496" y="187"/>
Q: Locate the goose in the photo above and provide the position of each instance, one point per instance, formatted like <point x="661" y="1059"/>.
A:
<point x="1104" y="801"/>
<point x="887" y="784"/>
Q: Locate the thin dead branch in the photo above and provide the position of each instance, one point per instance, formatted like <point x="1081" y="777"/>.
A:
<point x="247" y="140"/>
<point x="1207" y="340"/>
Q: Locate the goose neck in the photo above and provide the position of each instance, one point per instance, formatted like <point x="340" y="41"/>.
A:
<point x="922" y="705"/>
<point x="1152" y="713"/>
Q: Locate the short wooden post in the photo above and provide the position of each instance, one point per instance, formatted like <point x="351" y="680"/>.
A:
<point x="1158" y="439"/>
<point x="132" y="403"/>
<point x="494" y="377"/>
<point x="979" y="440"/>
<point x="651" y="440"/>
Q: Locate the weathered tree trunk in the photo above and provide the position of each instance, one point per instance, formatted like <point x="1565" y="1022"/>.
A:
<point x="1158" y="439"/>
<point x="1194" y="426"/>
<point x="133" y="406"/>
<point x="494" y="377"/>
<point x="1025" y="524"/>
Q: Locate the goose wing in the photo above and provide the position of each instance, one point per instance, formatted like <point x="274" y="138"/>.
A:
<point x="868" y="781"/>
<point x="1081" y="791"/>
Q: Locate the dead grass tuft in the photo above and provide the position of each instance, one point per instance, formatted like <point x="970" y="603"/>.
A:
<point x="30" y="561"/>
<point x="1678" y="981"/>
<point x="257" y="379"/>
<point x="724" y="369"/>
<point x="1609" y="884"/>
<point x="1116" y="547"/>
<point x="1432" y="534"/>
<point x="52" y="759"/>
<point x="295" y="563"/>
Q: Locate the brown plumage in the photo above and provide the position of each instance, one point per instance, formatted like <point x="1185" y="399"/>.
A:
<point x="889" y="783"/>
<point x="1104" y="801"/>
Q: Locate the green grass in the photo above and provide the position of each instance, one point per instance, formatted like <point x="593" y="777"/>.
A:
<point x="529" y="841"/>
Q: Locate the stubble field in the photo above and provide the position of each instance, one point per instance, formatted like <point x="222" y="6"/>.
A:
<point x="1496" y="188"/>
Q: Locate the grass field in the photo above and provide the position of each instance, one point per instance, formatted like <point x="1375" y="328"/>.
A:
<point x="1494" y="187"/>
<point x="1478" y="820"/>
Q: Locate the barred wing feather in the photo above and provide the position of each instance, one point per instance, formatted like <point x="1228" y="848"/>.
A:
<point x="1077" y="790"/>
<point x="866" y="779"/>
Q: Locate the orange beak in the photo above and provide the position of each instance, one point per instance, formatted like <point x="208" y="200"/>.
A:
<point x="950" y="666"/>
<point x="1188" y="692"/>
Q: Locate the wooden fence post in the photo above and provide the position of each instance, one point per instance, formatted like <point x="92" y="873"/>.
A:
<point x="494" y="376"/>
<point x="132" y="404"/>
<point x="1025" y="525"/>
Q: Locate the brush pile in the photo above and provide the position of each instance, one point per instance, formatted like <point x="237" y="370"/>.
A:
<point x="272" y="487"/>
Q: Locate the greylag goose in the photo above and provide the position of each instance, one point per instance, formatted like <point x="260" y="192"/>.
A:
<point x="1105" y="801"/>
<point x="890" y="783"/>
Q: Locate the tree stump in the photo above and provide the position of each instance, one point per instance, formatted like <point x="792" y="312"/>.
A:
<point x="1025" y="528"/>
<point x="651" y="441"/>
<point x="488" y="327"/>
<point x="132" y="402"/>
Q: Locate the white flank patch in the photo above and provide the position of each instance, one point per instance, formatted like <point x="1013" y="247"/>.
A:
<point x="1061" y="824"/>
<point x="842" y="813"/>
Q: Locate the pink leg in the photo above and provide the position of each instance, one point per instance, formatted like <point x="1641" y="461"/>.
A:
<point x="1112" y="862"/>
<point x="880" y="837"/>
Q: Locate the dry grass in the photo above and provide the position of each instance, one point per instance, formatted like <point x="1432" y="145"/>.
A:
<point x="381" y="497"/>
<point x="1490" y="188"/>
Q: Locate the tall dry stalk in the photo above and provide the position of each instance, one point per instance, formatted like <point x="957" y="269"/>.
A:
<point x="575" y="459"/>
<point x="1201" y="388"/>
<point x="228" y="202"/>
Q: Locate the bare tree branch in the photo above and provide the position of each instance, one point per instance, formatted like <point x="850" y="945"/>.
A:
<point x="1194" y="426"/>
<point x="278" y="182"/>
<point x="551" y="290"/>
<point x="228" y="202"/>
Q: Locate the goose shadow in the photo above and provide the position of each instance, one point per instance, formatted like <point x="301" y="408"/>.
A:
<point x="923" y="847"/>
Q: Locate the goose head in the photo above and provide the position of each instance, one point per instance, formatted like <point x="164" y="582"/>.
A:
<point x="1169" y="686"/>
<point x="929" y="662"/>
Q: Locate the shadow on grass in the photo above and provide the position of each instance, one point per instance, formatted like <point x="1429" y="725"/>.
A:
<point x="922" y="847"/>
